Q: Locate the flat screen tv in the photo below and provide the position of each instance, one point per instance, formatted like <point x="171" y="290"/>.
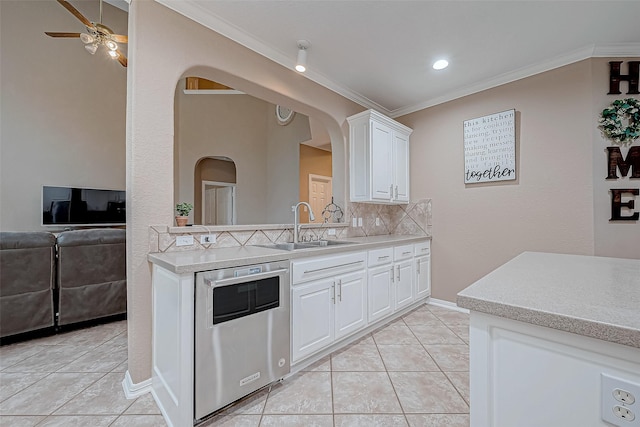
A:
<point x="74" y="206"/>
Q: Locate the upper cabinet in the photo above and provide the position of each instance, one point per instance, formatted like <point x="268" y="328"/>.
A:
<point x="379" y="159"/>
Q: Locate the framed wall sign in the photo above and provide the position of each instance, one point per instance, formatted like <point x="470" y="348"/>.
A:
<point x="490" y="148"/>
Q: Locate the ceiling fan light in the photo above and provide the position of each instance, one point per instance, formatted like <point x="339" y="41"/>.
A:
<point x="113" y="54"/>
<point x="86" y="38"/>
<point x="91" y="48"/>
<point x="111" y="45"/>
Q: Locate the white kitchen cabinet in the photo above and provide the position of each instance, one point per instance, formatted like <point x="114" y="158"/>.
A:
<point x="379" y="159"/>
<point x="390" y="280"/>
<point x="422" y="279"/>
<point x="350" y="303"/>
<point x="329" y="297"/>
<point x="403" y="284"/>
<point x="312" y="315"/>
<point x="380" y="293"/>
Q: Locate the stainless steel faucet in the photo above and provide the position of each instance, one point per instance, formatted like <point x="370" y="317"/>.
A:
<point x="296" y="226"/>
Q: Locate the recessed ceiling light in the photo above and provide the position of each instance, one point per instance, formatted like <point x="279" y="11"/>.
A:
<point x="440" y="64"/>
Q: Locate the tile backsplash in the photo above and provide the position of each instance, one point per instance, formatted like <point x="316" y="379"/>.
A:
<point x="413" y="218"/>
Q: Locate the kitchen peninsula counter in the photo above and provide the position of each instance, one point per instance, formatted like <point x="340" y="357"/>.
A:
<point x="591" y="296"/>
<point x="211" y="259"/>
<point x="548" y="332"/>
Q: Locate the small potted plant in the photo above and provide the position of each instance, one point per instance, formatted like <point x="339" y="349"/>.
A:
<point x="183" y="210"/>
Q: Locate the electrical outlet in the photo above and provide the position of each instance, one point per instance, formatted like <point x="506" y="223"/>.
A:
<point x="377" y="222"/>
<point x="354" y="222"/>
<point x="207" y="239"/>
<point x="331" y="231"/>
<point x="184" y="240"/>
<point x="620" y="405"/>
<point x="359" y="222"/>
<point x="624" y="413"/>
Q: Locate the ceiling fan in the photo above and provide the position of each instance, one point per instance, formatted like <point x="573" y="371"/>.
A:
<point x="97" y="34"/>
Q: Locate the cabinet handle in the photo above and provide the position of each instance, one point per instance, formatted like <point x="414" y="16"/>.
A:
<point x="392" y="275"/>
<point x="333" y="292"/>
<point x="391" y="192"/>
<point x="406" y="253"/>
<point x="340" y="290"/>
<point x="380" y="258"/>
<point x="398" y="273"/>
<point x="396" y="191"/>
<point x="333" y="266"/>
<point x="418" y="267"/>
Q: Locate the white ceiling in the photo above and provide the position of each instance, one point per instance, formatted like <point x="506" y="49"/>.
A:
<point x="379" y="53"/>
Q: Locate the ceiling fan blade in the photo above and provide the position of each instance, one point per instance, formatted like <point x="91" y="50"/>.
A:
<point x="75" y="13"/>
<point x="122" y="59"/>
<point x="53" y="34"/>
<point x="119" y="38"/>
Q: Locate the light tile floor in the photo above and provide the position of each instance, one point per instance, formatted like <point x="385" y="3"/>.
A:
<point x="411" y="372"/>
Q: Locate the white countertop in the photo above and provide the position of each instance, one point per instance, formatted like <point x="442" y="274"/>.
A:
<point x="591" y="296"/>
<point x="212" y="259"/>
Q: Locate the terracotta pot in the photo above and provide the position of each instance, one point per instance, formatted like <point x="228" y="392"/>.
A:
<point x="182" y="220"/>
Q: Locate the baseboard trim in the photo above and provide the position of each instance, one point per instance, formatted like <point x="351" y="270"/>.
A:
<point x="447" y="304"/>
<point x="131" y="390"/>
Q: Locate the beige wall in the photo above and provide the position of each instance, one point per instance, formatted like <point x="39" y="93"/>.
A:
<point x="62" y="113"/>
<point x="549" y="208"/>
<point x="232" y="126"/>
<point x="244" y="129"/>
<point x="167" y="47"/>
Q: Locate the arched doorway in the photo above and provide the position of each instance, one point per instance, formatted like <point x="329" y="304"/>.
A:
<point x="214" y="191"/>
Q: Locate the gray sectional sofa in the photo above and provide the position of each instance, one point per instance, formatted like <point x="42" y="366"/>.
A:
<point x="48" y="280"/>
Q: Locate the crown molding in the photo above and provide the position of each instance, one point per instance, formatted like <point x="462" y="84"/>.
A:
<point x="586" y="52"/>
<point x="193" y="11"/>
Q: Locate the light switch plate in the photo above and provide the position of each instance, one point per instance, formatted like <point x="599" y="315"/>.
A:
<point x="331" y="232"/>
<point x="184" y="240"/>
<point x="359" y="222"/>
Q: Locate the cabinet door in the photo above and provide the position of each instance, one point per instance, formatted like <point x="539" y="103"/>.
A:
<point x="351" y="303"/>
<point x="380" y="292"/>
<point x="312" y="317"/>
<point x="401" y="167"/>
<point x="381" y="162"/>
<point x="403" y="283"/>
<point x="423" y="277"/>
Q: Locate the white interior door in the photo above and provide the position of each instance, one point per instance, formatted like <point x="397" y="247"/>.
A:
<point x="224" y="206"/>
<point x="218" y="203"/>
<point x="320" y="190"/>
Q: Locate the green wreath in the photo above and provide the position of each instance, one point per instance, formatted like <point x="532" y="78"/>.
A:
<point x="611" y="121"/>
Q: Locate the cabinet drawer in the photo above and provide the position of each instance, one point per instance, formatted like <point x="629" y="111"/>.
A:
<point x="304" y="270"/>
<point x="423" y="248"/>
<point x="402" y="252"/>
<point x="380" y="256"/>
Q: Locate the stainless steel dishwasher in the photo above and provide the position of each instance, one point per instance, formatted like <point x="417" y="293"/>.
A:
<point x="242" y="337"/>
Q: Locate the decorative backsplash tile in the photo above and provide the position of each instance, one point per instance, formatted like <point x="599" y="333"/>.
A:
<point x="412" y="218"/>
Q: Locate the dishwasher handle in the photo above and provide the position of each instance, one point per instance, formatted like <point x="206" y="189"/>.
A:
<point x="246" y="278"/>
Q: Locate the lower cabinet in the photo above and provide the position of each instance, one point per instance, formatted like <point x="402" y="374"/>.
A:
<point x="312" y="316"/>
<point x="325" y="310"/>
<point x="403" y="284"/>
<point x="335" y="296"/>
<point x="422" y="277"/>
<point x="380" y="292"/>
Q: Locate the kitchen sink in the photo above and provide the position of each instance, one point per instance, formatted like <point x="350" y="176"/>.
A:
<point x="288" y="246"/>
<point x="304" y="245"/>
<point x="328" y="243"/>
